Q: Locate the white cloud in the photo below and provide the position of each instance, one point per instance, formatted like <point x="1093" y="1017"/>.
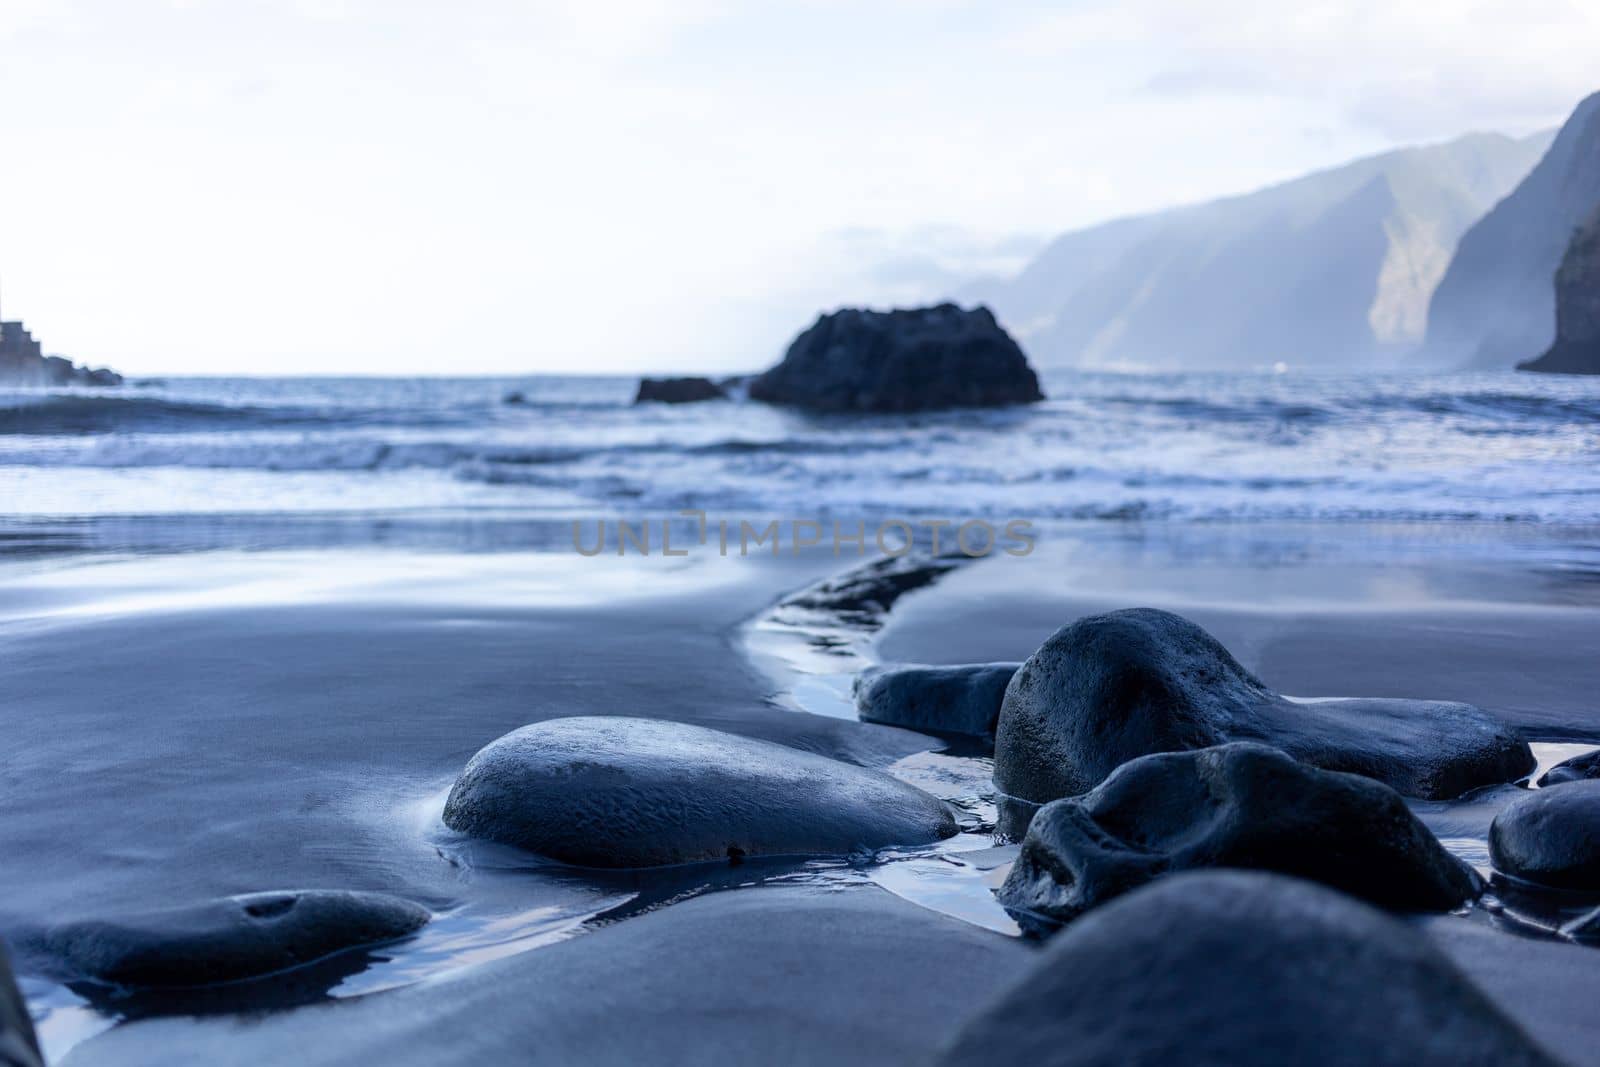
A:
<point x="492" y="185"/>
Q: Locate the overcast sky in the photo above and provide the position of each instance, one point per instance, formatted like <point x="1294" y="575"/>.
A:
<point x="492" y="186"/>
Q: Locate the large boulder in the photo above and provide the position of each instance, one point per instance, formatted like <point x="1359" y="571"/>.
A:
<point x="917" y="359"/>
<point x="962" y="699"/>
<point x="1239" y="969"/>
<point x="1110" y="688"/>
<point x="1576" y="769"/>
<point x="1551" y="837"/>
<point x="230" y="939"/>
<point x="1236" y="805"/>
<point x="1576" y="349"/>
<point x="19" y="1045"/>
<point x="621" y="792"/>
<point x="678" y="391"/>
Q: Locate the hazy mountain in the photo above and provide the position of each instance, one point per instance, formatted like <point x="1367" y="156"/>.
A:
<point x="1333" y="269"/>
<point x="1496" y="304"/>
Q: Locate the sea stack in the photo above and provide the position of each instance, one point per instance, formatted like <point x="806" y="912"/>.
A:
<point x="1577" y="346"/>
<point x="913" y="359"/>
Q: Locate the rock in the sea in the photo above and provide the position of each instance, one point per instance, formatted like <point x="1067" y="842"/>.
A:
<point x="19" y="1045"/>
<point x="230" y="939"/>
<point x="1110" y="688"/>
<point x="1241" y="969"/>
<point x="622" y="792"/>
<point x="962" y="699"/>
<point x="678" y="390"/>
<point x="1576" y="769"/>
<point x="917" y="359"/>
<point x="1576" y="349"/>
<point x="23" y="362"/>
<point x="1236" y="805"/>
<point x="1551" y="837"/>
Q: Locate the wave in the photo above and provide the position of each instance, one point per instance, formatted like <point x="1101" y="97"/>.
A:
<point x="67" y="414"/>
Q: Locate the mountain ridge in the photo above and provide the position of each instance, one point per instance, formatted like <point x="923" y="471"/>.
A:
<point x="1334" y="266"/>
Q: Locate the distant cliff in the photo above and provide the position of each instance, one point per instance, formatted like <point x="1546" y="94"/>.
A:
<point x="1334" y="269"/>
<point x="23" y="363"/>
<point x="1495" y="305"/>
<point x="1577" y="345"/>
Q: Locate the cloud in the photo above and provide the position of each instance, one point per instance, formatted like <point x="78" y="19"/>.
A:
<point x="1402" y="68"/>
<point x="587" y="184"/>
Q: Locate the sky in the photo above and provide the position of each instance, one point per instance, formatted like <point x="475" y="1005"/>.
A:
<point x="576" y="186"/>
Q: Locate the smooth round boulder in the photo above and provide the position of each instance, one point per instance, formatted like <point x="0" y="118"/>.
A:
<point x="1110" y="688"/>
<point x="230" y="939"/>
<point x="962" y="699"/>
<point x="619" y="792"/>
<point x="1239" y="805"/>
<point x="1577" y="769"/>
<point x="1551" y="837"/>
<point x="1241" y="969"/>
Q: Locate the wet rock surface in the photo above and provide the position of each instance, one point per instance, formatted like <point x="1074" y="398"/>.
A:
<point x="1110" y="688"/>
<point x="962" y="699"/>
<point x="916" y="359"/>
<point x="1551" y="837"/>
<point x="1241" y="805"/>
<point x="623" y="792"/>
<point x="1576" y="769"/>
<point x="230" y="939"/>
<point x="1240" y="968"/>
<point x="791" y="975"/>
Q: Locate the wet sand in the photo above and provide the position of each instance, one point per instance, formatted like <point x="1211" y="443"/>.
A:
<point x="190" y="726"/>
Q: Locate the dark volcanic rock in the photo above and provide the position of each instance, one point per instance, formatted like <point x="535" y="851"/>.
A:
<point x="1576" y="769"/>
<point x="1237" y="969"/>
<point x="919" y="359"/>
<point x="620" y="792"/>
<point x="1238" y="805"/>
<point x="1551" y="837"/>
<point x="678" y="390"/>
<point x="19" y="1046"/>
<point x="961" y="699"/>
<point x="780" y="976"/>
<point x="1577" y="345"/>
<point x="230" y="939"/>
<point x="1110" y="688"/>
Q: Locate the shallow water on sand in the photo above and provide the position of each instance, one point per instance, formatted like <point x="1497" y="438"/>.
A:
<point x="194" y="725"/>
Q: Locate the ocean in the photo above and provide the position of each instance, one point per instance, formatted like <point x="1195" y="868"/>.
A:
<point x="301" y="462"/>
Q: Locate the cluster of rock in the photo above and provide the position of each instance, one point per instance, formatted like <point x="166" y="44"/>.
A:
<point x="1144" y="755"/>
<point x="1133" y="745"/>
<point x="23" y="363"/>
<point x="907" y="360"/>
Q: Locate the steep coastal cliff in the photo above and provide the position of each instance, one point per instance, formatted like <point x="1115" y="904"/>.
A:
<point x="1577" y="346"/>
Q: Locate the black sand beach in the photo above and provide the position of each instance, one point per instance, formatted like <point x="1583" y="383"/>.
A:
<point x="201" y="725"/>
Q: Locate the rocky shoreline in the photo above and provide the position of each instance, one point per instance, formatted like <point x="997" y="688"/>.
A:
<point x="1116" y="878"/>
